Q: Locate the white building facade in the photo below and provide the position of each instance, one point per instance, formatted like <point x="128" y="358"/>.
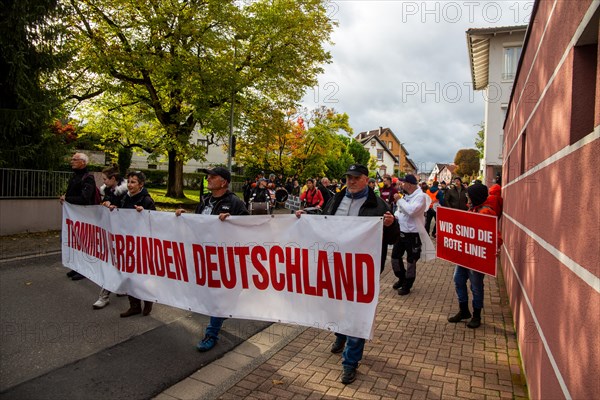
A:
<point x="494" y="54"/>
<point x="216" y="155"/>
<point x="380" y="152"/>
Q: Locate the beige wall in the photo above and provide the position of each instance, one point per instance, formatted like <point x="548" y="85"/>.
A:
<point x="29" y="215"/>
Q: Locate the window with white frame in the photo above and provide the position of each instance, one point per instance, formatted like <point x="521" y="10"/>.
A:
<point x="379" y="155"/>
<point x="511" y="59"/>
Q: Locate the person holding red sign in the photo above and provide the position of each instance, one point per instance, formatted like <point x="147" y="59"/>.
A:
<point x="477" y="195"/>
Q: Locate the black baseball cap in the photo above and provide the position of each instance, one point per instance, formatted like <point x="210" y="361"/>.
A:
<point x="409" y="179"/>
<point x="220" y="171"/>
<point x="357" y="170"/>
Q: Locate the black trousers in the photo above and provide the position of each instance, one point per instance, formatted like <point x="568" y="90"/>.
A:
<point x="409" y="243"/>
<point x="429" y="216"/>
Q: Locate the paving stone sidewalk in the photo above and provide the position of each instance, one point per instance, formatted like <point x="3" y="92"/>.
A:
<point x="415" y="353"/>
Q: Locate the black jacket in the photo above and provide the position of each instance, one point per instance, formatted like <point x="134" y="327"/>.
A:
<point x="114" y="195"/>
<point x="374" y="206"/>
<point x="228" y="203"/>
<point x="81" y="189"/>
<point x="456" y="199"/>
<point x="139" y="199"/>
<point x="325" y="192"/>
<point x="260" y="195"/>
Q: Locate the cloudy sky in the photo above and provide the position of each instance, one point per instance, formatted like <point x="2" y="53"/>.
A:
<point x="405" y="65"/>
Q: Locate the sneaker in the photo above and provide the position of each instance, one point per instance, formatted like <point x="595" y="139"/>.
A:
<point x="348" y="375"/>
<point x="71" y="273"/>
<point x="338" y="345"/>
<point x="77" y="277"/>
<point x="101" y="302"/>
<point x="403" y="291"/>
<point x="207" y="343"/>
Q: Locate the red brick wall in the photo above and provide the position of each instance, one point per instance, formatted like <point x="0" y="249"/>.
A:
<point x="551" y="228"/>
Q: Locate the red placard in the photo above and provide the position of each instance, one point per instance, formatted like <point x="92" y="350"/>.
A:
<point x="467" y="239"/>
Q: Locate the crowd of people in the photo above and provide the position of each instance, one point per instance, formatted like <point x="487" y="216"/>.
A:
<point x="408" y="208"/>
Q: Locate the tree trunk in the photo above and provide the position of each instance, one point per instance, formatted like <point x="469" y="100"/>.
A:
<point x="175" y="181"/>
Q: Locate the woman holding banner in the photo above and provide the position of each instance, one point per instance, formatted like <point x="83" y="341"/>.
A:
<point x="139" y="199"/>
<point x="113" y="191"/>
<point x="477" y="195"/>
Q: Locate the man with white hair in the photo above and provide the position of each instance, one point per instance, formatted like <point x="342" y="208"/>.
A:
<point x="81" y="190"/>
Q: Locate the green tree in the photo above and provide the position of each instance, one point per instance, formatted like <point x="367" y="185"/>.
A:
<point x="174" y="66"/>
<point x="27" y="106"/>
<point x="467" y="162"/>
<point x="359" y="153"/>
<point x="292" y="142"/>
<point x="480" y="140"/>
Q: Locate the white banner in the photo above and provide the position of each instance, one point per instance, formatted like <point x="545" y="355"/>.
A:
<point x="318" y="271"/>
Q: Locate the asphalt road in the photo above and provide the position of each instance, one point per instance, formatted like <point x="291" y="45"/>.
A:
<point x="53" y="345"/>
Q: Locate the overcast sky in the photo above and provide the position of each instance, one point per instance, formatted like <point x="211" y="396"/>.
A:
<point x="405" y="65"/>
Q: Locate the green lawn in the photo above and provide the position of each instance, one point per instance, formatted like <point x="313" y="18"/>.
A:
<point x="158" y="194"/>
<point x="169" y="204"/>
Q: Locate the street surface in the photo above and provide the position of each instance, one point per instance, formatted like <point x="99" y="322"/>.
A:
<point x="55" y="346"/>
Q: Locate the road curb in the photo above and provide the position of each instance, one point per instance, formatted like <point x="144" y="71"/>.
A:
<point x="221" y="375"/>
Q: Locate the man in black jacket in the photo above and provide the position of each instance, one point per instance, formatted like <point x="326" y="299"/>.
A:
<point x="223" y="203"/>
<point x="358" y="199"/>
<point x="81" y="190"/>
<point x="456" y="197"/>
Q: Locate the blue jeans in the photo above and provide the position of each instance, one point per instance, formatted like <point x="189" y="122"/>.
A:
<point x="461" y="274"/>
<point x="214" y="326"/>
<point x="353" y="350"/>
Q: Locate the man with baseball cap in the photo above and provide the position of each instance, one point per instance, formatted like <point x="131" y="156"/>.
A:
<point x="223" y="203"/>
<point x="358" y="199"/>
<point x="411" y="217"/>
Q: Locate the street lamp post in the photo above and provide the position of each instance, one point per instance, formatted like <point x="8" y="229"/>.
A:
<point x="231" y="110"/>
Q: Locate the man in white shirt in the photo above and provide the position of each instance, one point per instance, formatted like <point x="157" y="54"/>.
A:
<point x="410" y="213"/>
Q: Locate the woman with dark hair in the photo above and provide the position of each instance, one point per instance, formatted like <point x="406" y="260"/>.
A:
<point x="312" y="196"/>
<point x="137" y="198"/>
<point x="113" y="191"/>
<point x="114" y="188"/>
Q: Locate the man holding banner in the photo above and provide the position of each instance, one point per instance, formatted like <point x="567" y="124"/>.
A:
<point x="477" y="195"/>
<point x="223" y="203"/>
<point x="358" y="199"/>
<point x="80" y="190"/>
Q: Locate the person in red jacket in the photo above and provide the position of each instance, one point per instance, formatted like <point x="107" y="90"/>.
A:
<point x="495" y="198"/>
<point x="477" y="195"/>
<point x="312" y="196"/>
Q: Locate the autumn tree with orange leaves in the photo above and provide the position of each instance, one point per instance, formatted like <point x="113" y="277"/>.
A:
<point x="293" y="142"/>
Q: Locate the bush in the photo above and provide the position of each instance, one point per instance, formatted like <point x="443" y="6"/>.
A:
<point x="155" y="177"/>
<point x="90" y="167"/>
